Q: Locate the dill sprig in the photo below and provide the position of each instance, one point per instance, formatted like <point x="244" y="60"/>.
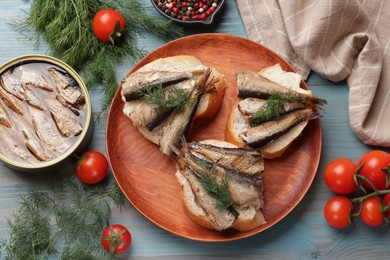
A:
<point x="272" y="108"/>
<point x="70" y="214"/>
<point x="66" y="25"/>
<point x="172" y="97"/>
<point x="217" y="188"/>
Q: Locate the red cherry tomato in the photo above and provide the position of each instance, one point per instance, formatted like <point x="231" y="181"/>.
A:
<point x="337" y="211"/>
<point x="373" y="164"/>
<point x="339" y="176"/>
<point x="116" y="239"/>
<point x="92" y="167"/>
<point x="108" y="25"/>
<point x="371" y="213"/>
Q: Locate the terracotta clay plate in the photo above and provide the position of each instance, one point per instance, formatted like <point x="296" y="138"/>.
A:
<point x="147" y="177"/>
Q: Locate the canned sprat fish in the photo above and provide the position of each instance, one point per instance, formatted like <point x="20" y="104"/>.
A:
<point x="45" y="113"/>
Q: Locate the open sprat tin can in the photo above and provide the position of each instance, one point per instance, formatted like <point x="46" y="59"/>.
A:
<point x="45" y="114"/>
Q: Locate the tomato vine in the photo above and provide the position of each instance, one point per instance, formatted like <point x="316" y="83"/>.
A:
<point x="369" y="176"/>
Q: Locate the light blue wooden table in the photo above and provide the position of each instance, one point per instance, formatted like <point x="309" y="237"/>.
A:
<point x="303" y="234"/>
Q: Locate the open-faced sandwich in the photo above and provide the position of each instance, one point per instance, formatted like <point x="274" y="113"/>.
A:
<point x="271" y="112"/>
<point x="221" y="184"/>
<point x="163" y="98"/>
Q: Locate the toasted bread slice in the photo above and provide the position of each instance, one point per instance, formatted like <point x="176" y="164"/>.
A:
<point x="210" y="102"/>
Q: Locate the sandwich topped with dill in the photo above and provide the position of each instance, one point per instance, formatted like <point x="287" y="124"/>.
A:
<point x="271" y="112"/>
<point x="165" y="96"/>
<point x="221" y="184"/>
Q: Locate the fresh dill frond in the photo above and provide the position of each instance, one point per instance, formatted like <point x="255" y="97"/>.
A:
<point x="66" y="26"/>
<point x="171" y="97"/>
<point x="272" y="108"/>
<point x="215" y="187"/>
<point x="71" y="212"/>
<point x="30" y="230"/>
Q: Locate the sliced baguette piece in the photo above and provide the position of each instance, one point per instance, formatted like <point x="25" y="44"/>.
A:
<point x="178" y="63"/>
<point x="287" y="79"/>
<point x="250" y="214"/>
<point x="210" y="102"/>
<point x="237" y="123"/>
<point x="280" y="145"/>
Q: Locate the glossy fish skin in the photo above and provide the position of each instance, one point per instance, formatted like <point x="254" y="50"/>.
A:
<point x="267" y="132"/>
<point x="182" y="120"/>
<point x="4" y="117"/>
<point x="195" y="162"/>
<point x="250" y="106"/>
<point x="151" y="116"/>
<point x="64" y="119"/>
<point x="133" y="84"/>
<point x="11" y="101"/>
<point x="245" y="161"/>
<point x="67" y="87"/>
<point x="252" y="84"/>
<point x="47" y="132"/>
<point x="32" y="77"/>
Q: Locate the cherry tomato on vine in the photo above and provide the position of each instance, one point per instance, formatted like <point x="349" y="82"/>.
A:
<point x="373" y="164"/>
<point x="339" y="176"/>
<point x="337" y="211"/>
<point x="371" y="213"/>
<point x="108" y="25"/>
<point x="116" y="239"/>
<point x="92" y="167"/>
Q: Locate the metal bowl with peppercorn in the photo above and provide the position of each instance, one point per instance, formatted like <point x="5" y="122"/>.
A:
<point x="189" y="11"/>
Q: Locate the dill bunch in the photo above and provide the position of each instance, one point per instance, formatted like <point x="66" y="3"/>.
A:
<point x="217" y="188"/>
<point x="272" y="108"/>
<point x="171" y="98"/>
<point x="65" y="221"/>
<point x="66" y="25"/>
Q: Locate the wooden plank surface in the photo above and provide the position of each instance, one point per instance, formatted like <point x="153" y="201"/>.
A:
<point x="303" y="234"/>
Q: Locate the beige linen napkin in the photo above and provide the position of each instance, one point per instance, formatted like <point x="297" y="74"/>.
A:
<point x="338" y="39"/>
